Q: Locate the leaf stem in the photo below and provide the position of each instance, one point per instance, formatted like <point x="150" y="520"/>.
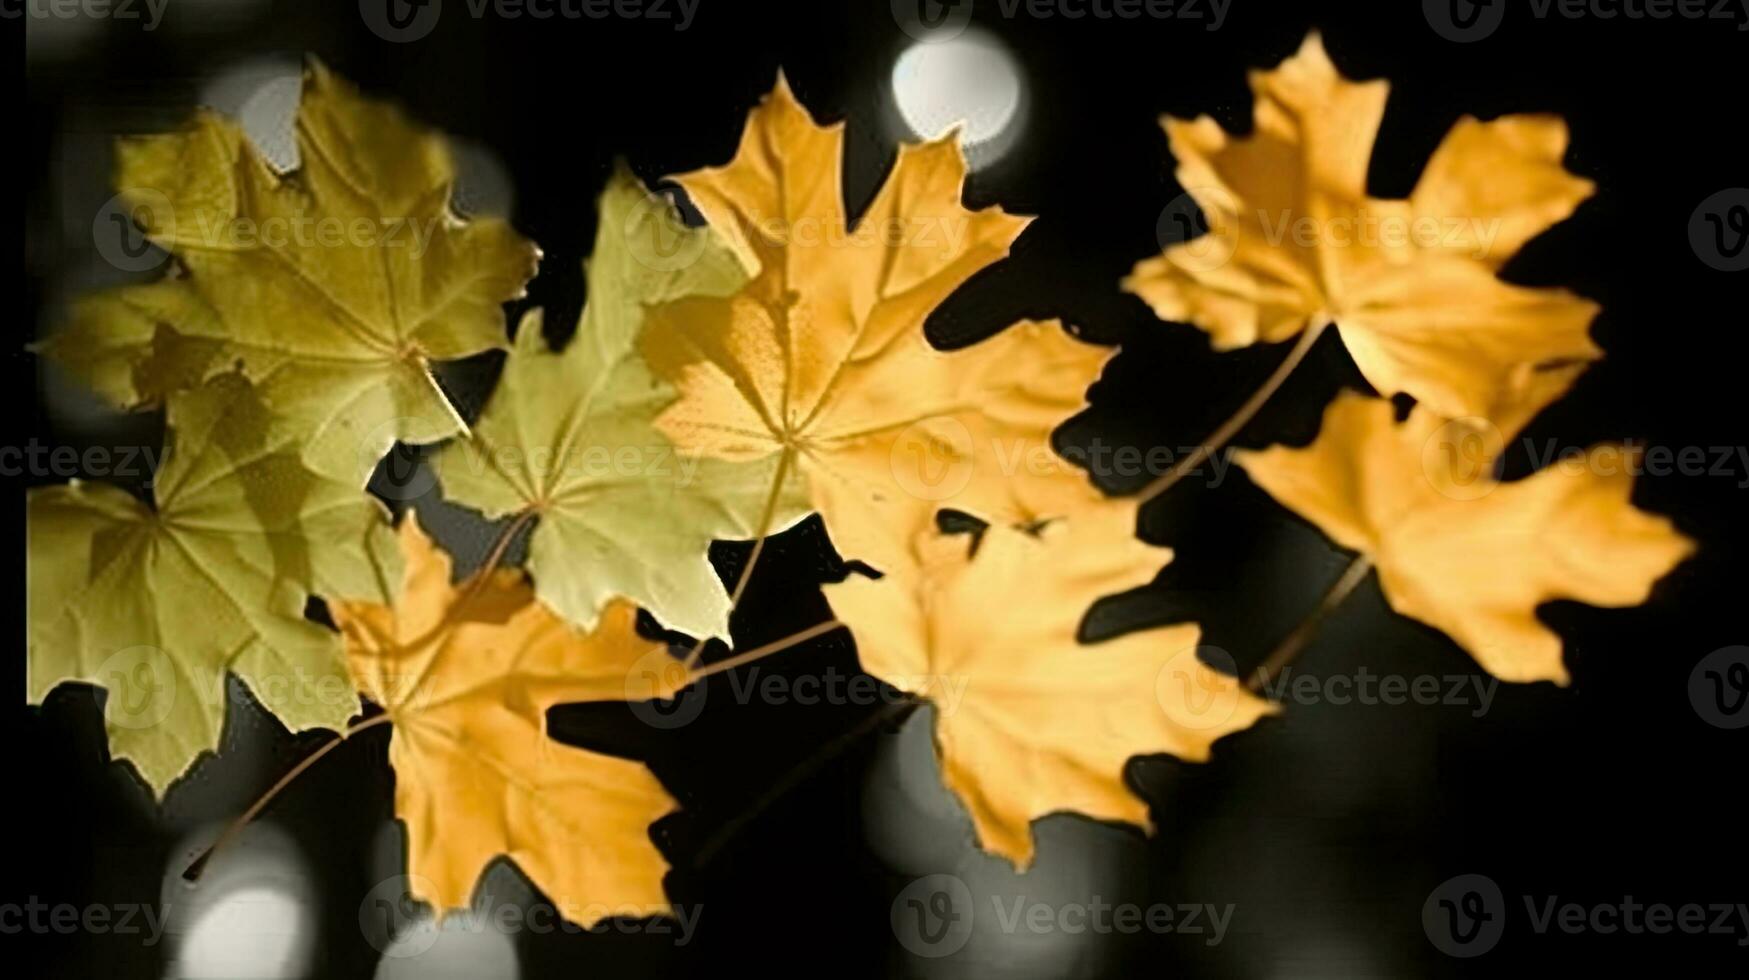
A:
<point x="501" y="547"/>
<point x="1219" y="438"/>
<point x="193" y="872"/>
<point x="761" y="652"/>
<point x="799" y="774"/>
<point x="476" y="582"/>
<point x="1296" y="640"/>
<point x="765" y="520"/>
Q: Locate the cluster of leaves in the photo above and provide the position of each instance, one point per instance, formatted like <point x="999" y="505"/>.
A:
<point x="795" y="367"/>
<point x="1429" y="318"/>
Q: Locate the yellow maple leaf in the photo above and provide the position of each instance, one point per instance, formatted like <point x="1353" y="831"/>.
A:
<point x="1028" y="721"/>
<point x="335" y="286"/>
<point x="466" y="676"/>
<point x="1459" y="550"/>
<point x="1294" y="243"/>
<point x="1474" y="445"/>
<point x="820" y="360"/>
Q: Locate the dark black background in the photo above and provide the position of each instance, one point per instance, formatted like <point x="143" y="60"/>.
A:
<point x="1327" y="827"/>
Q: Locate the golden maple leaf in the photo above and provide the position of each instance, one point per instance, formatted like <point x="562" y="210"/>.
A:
<point x="158" y="602"/>
<point x="466" y="676"/>
<point x="335" y="286"/>
<point x="1028" y="721"/>
<point x="1459" y="550"/>
<point x="1295" y="244"/>
<point x="1473" y="446"/>
<point x="820" y="359"/>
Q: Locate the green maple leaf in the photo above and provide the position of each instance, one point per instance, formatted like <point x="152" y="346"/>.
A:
<point x="570" y="436"/>
<point x="137" y="345"/>
<point x="156" y="603"/>
<point x="334" y="286"/>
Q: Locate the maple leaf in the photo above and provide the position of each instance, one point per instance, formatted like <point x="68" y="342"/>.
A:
<point x="156" y="603"/>
<point x="137" y="345"/>
<point x="335" y="286"/>
<point x="1473" y="446"/>
<point x="820" y="360"/>
<point x="1294" y="243"/>
<point x="1029" y="721"/>
<point x="1462" y="552"/>
<point x="570" y="436"/>
<point x="466" y="676"/>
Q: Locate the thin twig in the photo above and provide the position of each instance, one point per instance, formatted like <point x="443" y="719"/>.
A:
<point x="765" y="519"/>
<point x="198" y="865"/>
<point x="1291" y="645"/>
<point x="1218" y="439"/>
<point x="761" y="652"/>
<point x="798" y="775"/>
<point x="476" y="584"/>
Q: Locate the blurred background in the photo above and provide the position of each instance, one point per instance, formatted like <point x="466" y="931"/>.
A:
<point x="1316" y="840"/>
